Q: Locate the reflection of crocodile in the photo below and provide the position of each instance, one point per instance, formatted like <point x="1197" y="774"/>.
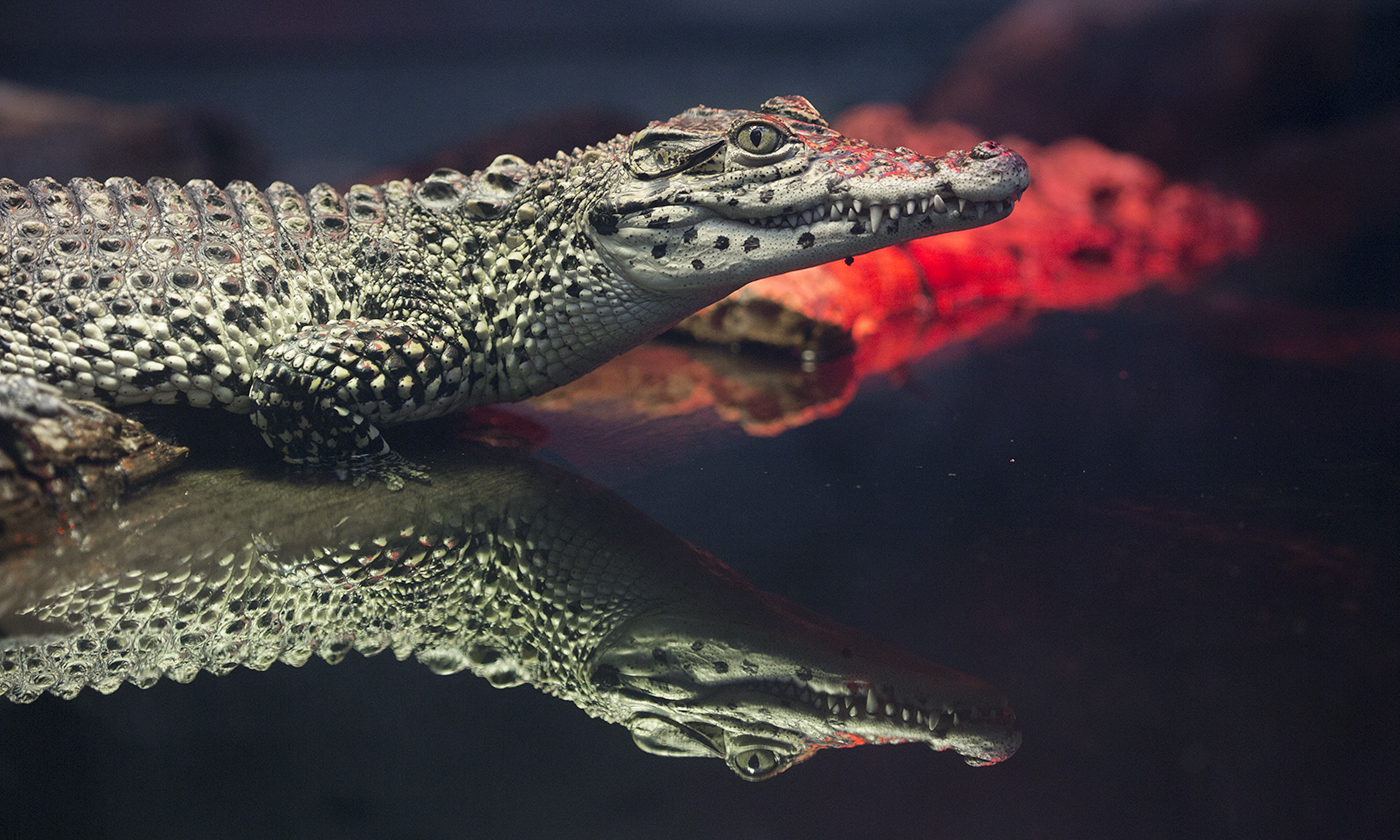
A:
<point x="326" y="316"/>
<point x="517" y="571"/>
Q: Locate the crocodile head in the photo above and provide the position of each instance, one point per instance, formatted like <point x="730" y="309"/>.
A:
<point x="763" y="684"/>
<point x="713" y="199"/>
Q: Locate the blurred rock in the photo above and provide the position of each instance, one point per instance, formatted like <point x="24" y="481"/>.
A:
<point x="1294" y="105"/>
<point x="63" y="136"/>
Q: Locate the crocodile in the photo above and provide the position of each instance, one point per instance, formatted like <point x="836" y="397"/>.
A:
<point x="503" y="566"/>
<point x="327" y="316"/>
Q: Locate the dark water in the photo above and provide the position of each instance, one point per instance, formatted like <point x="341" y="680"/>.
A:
<point x="1174" y="556"/>
<point x="1166" y="530"/>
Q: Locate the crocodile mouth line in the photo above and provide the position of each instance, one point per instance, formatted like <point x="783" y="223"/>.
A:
<point x="873" y="214"/>
<point x="869" y="704"/>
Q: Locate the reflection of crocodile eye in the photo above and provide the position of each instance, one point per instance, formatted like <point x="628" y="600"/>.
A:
<point x="757" y="761"/>
<point x="758" y="138"/>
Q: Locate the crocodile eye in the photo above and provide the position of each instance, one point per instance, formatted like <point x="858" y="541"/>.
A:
<point x="758" y="138"/>
<point x="755" y="762"/>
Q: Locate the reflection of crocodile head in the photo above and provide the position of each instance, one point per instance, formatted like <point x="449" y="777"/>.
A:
<point x="764" y="684"/>
<point x="514" y="570"/>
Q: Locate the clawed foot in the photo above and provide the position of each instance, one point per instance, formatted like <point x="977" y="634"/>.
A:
<point x="390" y="467"/>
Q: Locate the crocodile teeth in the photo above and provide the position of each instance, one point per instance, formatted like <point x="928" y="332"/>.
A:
<point x="875" y="214"/>
<point x="871" y="703"/>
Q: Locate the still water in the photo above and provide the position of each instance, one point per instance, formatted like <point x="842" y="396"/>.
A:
<point x="1164" y="531"/>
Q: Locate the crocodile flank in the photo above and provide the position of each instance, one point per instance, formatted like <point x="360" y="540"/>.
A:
<point x="327" y="316"/>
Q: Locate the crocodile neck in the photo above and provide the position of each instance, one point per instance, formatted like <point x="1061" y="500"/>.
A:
<point x="515" y="262"/>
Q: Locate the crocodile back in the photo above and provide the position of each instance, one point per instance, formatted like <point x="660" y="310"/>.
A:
<point x="126" y="292"/>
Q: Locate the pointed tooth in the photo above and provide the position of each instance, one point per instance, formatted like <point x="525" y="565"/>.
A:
<point x="840" y="206"/>
<point x="932" y="721"/>
<point x="851" y="712"/>
<point x="855" y="204"/>
<point x="905" y="714"/>
<point x="876" y="216"/>
<point x="938" y="205"/>
<point x="871" y="702"/>
<point x="962" y="207"/>
<point x="923" y="205"/>
<point x="910" y="207"/>
<point x="894" y="211"/>
<point x="889" y="710"/>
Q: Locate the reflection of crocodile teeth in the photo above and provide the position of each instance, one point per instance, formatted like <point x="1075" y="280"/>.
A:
<point x="862" y="703"/>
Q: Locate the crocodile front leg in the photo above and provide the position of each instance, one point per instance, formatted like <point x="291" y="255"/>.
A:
<point x="321" y="393"/>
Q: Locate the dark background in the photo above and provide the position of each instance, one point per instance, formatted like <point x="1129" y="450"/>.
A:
<point x="1166" y="530"/>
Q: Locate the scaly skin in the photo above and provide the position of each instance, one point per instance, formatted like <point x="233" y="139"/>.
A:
<point x="517" y="571"/>
<point x="327" y="316"/>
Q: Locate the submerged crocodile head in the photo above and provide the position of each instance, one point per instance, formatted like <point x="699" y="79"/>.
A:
<point x="726" y="197"/>
<point x="763" y="684"/>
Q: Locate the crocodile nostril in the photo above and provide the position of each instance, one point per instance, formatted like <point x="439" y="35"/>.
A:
<point x="987" y="150"/>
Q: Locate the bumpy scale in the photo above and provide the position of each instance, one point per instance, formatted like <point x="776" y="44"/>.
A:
<point x="328" y="316"/>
